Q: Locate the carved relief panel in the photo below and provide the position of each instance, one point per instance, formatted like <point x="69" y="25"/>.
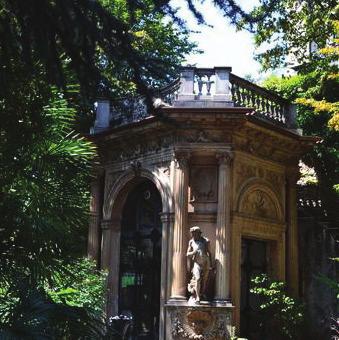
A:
<point x="203" y="184"/>
<point x="258" y="203"/>
<point x="203" y="189"/>
<point x="203" y="323"/>
<point x="252" y="171"/>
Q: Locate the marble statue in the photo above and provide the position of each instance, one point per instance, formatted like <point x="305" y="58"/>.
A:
<point x="200" y="264"/>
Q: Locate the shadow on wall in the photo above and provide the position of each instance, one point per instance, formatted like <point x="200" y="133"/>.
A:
<point x="317" y="247"/>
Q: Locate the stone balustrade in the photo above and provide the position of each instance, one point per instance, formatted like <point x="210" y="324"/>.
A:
<point x="266" y="104"/>
<point x="202" y="88"/>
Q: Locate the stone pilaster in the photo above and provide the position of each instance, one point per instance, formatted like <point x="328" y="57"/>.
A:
<point x="110" y="257"/>
<point x="167" y="220"/>
<point x="223" y="230"/>
<point x="292" y="176"/>
<point x="95" y="208"/>
<point x="179" y="280"/>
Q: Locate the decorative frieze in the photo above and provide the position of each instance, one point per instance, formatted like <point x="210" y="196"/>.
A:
<point x="134" y="149"/>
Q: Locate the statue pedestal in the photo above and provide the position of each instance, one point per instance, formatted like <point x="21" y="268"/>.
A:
<point x="206" y="321"/>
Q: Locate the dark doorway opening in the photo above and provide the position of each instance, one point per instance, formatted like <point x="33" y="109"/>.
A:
<point x="140" y="260"/>
<point x="253" y="262"/>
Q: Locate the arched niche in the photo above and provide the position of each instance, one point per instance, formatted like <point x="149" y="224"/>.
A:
<point x="257" y="199"/>
<point x="114" y="203"/>
<point x="117" y="193"/>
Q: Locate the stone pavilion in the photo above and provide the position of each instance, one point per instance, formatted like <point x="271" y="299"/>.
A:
<point x="221" y="153"/>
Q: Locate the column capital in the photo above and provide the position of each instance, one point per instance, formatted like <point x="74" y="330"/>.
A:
<point x="182" y="157"/>
<point x="225" y="157"/>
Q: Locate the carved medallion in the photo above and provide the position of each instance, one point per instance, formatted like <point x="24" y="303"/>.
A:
<point x="199" y="321"/>
<point x="199" y="324"/>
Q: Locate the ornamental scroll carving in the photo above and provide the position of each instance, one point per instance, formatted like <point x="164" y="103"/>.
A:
<point x="197" y="324"/>
<point x="258" y="203"/>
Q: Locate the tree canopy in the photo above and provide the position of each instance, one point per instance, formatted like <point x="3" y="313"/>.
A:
<point x="56" y="56"/>
<point x="307" y="32"/>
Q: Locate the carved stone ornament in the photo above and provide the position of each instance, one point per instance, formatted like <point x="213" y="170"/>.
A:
<point x="224" y="158"/>
<point x="110" y="180"/>
<point x="136" y="167"/>
<point x="192" y="323"/>
<point x="182" y="157"/>
<point x="136" y="149"/>
<point x="258" y="203"/>
<point x="244" y="172"/>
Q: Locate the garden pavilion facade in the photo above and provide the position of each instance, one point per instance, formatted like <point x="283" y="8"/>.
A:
<point x="222" y="154"/>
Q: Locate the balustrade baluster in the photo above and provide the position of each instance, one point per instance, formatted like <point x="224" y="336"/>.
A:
<point x="200" y="84"/>
<point x="241" y="98"/>
<point x="239" y="95"/>
<point x="276" y="112"/>
<point x="258" y="104"/>
<point x="282" y="113"/>
<point x="262" y="106"/>
<point x="252" y="99"/>
<point x="267" y="107"/>
<point x="208" y="85"/>
<point x="245" y="96"/>
<point x="248" y="97"/>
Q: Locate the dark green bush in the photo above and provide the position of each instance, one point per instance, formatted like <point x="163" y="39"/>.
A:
<point x="281" y="317"/>
<point x="85" y="286"/>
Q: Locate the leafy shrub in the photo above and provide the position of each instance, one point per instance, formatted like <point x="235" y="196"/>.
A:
<point x="281" y="316"/>
<point x="85" y="286"/>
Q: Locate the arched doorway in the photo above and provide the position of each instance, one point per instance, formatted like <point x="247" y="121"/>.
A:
<point x="140" y="259"/>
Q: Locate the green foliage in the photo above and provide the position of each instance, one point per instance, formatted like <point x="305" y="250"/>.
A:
<point x="291" y="27"/>
<point x="159" y="41"/>
<point x="84" y="286"/>
<point x="280" y="314"/>
<point x="28" y="313"/>
<point x="324" y="157"/>
<point x="44" y="178"/>
<point x="44" y="183"/>
<point x="110" y="46"/>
